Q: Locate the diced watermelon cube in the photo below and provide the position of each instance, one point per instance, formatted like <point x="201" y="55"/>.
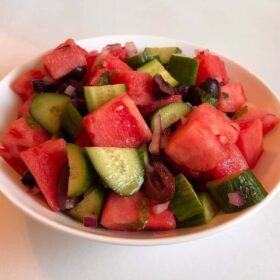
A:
<point x="232" y="163"/>
<point x="269" y="122"/>
<point x="64" y="59"/>
<point x="22" y="84"/>
<point x="210" y="66"/>
<point x="23" y="134"/>
<point x="117" y="123"/>
<point x="232" y="97"/>
<point x="44" y="162"/>
<point x="250" y="141"/>
<point x="138" y="85"/>
<point x="24" y="109"/>
<point x="219" y="124"/>
<point x="116" y="50"/>
<point x="249" y="112"/>
<point x="122" y="213"/>
<point x="106" y="62"/>
<point x="83" y="139"/>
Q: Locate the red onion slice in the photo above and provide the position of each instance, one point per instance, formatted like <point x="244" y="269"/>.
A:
<point x="154" y="146"/>
<point x="70" y="91"/>
<point x="236" y="199"/>
<point x="159" y="208"/>
<point x="90" y="221"/>
<point x="130" y="48"/>
<point x="34" y="190"/>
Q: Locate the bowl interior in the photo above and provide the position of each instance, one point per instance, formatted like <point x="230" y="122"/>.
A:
<point x="267" y="169"/>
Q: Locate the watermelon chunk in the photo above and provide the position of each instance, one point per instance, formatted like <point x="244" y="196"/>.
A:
<point x="162" y="221"/>
<point x="250" y="142"/>
<point x="269" y="122"/>
<point x="65" y="58"/>
<point x="210" y="66"/>
<point x="138" y="85"/>
<point x="24" y="109"/>
<point x="117" y="123"/>
<point x="232" y="163"/>
<point x="22" y="84"/>
<point x="44" y="162"/>
<point x="232" y="97"/>
<point x="124" y="213"/>
<point x="219" y="124"/>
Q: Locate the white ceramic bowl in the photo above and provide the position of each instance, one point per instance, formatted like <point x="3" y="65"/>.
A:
<point x="267" y="169"/>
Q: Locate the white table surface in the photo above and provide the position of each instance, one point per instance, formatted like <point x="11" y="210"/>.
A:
<point x="247" y="31"/>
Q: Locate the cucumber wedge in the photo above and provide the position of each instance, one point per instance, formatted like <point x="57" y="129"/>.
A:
<point x="163" y="53"/>
<point x="210" y="210"/>
<point x="143" y="154"/>
<point x="138" y="60"/>
<point x="183" y="69"/>
<point x="91" y="204"/>
<point x="46" y="109"/>
<point x="80" y="178"/>
<point x="71" y="120"/>
<point x="155" y="67"/>
<point x="243" y="184"/>
<point x="185" y="203"/>
<point x="96" y="96"/>
<point x="170" y="114"/>
<point x="121" y="169"/>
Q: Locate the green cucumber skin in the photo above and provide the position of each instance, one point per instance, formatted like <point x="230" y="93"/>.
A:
<point x="71" y="120"/>
<point x="184" y="69"/>
<point x="96" y="96"/>
<point x="210" y="210"/>
<point x="170" y="114"/>
<point x="91" y="204"/>
<point x="154" y="67"/>
<point x="143" y="154"/>
<point x="138" y="60"/>
<point x="245" y="182"/>
<point x="185" y="203"/>
<point x="46" y="109"/>
<point x="81" y="175"/>
<point x="121" y="169"/>
<point x="163" y="53"/>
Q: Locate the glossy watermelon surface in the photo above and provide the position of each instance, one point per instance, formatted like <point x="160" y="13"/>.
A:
<point x="118" y="123"/>
<point x="44" y="162"/>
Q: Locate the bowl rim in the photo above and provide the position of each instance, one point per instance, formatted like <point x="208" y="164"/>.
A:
<point x="149" y="241"/>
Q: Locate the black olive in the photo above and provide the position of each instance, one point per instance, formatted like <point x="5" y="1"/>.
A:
<point x="76" y="74"/>
<point x="161" y="88"/>
<point x="193" y="96"/>
<point x="28" y="179"/>
<point x="44" y="86"/>
<point x="212" y="87"/>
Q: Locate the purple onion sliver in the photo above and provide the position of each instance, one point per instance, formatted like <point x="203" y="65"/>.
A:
<point x="91" y="221"/>
<point x="34" y="190"/>
<point x="236" y="199"/>
<point x="70" y="91"/>
<point x="130" y="48"/>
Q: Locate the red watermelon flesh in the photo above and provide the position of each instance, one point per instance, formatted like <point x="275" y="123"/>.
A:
<point x="232" y="163"/>
<point x="120" y="212"/>
<point x="16" y="163"/>
<point x="44" y="162"/>
<point x="64" y="59"/>
<point x="219" y="124"/>
<point x="250" y="142"/>
<point x="83" y="139"/>
<point x="210" y="66"/>
<point x="232" y="97"/>
<point x="22" y="84"/>
<point x="118" y="123"/>
<point x="269" y="122"/>
<point x="23" y="134"/>
<point x="24" y="109"/>
<point x="138" y="85"/>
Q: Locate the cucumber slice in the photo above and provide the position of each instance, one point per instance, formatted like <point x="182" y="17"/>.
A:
<point x="210" y="209"/>
<point x="138" y="60"/>
<point x="80" y="178"/>
<point x="155" y="67"/>
<point x="46" y="109"/>
<point x="91" y="204"/>
<point x="120" y="168"/>
<point x="244" y="183"/>
<point x="96" y="96"/>
<point x="170" y="114"/>
<point x="71" y="120"/>
<point x="185" y="203"/>
<point x="143" y="154"/>
<point x="163" y="53"/>
<point x="183" y="69"/>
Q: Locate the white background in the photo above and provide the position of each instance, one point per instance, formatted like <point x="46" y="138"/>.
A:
<point x="247" y="31"/>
